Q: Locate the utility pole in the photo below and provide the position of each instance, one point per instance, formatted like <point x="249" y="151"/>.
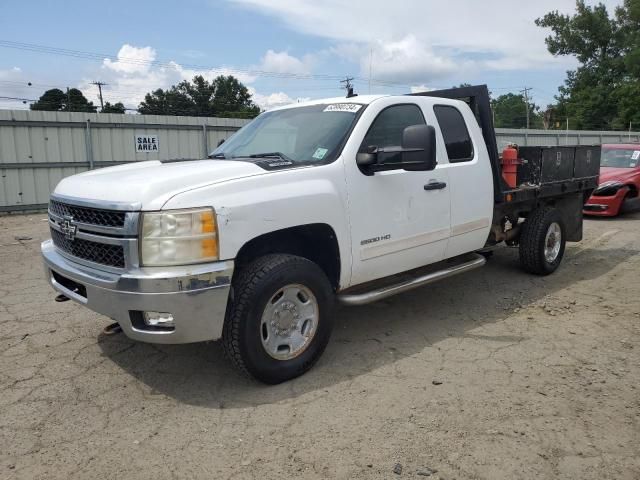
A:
<point x="100" y="84"/>
<point x="348" y="86"/>
<point x="525" y="92"/>
<point x="68" y="100"/>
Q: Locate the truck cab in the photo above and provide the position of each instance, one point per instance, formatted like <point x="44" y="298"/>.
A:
<point x="343" y="199"/>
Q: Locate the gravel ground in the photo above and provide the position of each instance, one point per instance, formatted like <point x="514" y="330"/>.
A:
<point x="494" y="374"/>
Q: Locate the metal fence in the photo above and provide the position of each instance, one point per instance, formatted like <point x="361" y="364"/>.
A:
<point x="562" y="137"/>
<point x="38" y="149"/>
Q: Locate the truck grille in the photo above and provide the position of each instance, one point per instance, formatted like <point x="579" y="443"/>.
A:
<point x="102" y="253"/>
<point x="90" y="216"/>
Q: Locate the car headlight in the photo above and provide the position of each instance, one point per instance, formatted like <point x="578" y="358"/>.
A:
<point x="607" y="189"/>
<point x="178" y="237"/>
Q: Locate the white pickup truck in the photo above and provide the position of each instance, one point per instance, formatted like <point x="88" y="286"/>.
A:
<point x="347" y="199"/>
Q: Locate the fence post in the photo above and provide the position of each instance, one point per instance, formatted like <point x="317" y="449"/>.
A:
<point x="88" y="145"/>
<point x="526" y="138"/>
<point x="205" y="140"/>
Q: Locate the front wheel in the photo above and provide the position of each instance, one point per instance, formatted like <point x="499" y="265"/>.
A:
<point x="542" y="241"/>
<point x="279" y="320"/>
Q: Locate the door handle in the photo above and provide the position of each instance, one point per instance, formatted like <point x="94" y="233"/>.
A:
<point x="435" y="185"/>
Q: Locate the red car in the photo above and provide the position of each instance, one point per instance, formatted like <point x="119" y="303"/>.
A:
<point x="619" y="181"/>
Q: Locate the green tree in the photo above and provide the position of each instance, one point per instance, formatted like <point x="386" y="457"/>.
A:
<point x="224" y="96"/>
<point x="232" y="98"/>
<point x="52" y="100"/>
<point x="510" y="111"/>
<point x="56" y="100"/>
<point x="113" y="108"/>
<point x="599" y="93"/>
<point x="166" y="102"/>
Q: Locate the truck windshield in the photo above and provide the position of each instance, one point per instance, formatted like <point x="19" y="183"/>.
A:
<point x="312" y="134"/>
<point x="620" y="157"/>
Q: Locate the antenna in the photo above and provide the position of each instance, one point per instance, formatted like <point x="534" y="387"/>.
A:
<point x="349" y="86"/>
<point x="370" y="67"/>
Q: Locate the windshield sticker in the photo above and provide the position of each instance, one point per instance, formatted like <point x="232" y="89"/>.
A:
<point x="343" y="107"/>
<point x="636" y="155"/>
<point x="320" y="153"/>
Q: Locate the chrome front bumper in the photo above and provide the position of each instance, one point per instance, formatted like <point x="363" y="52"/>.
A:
<point x="196" y="295"/>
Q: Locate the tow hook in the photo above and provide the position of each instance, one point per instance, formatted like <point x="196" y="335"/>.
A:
<point x="61" y="298"/>
<point x="112" y="329"/>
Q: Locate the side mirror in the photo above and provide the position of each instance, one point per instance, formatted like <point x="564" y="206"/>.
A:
<point x="364" y="159"/>
<point x="419" y="148"/>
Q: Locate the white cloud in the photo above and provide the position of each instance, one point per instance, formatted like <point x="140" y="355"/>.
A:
<point x="421" y="88"/>
<point x="132" y="60"/>
<point x="407" y="60"/>
<point x="279" y="99"/>
<point x="282" y="62"/>
<point x="419" y="40"/>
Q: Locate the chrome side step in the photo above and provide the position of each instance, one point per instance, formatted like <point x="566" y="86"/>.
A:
<point x="415" y="282"/>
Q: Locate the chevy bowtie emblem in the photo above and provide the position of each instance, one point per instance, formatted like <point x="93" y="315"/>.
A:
<point x="68" y="228"/>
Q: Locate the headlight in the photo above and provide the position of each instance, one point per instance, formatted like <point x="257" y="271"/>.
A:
<point x="178" y="237"/>
<point x="608" y="189"/>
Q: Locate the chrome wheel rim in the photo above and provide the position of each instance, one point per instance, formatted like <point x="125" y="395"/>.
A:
<point x="552" y="242"/>
<point x="289" y="322"/>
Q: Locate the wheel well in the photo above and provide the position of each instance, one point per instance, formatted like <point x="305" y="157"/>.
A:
<point x="633" y="190"/>
<point x="316" y="242"/>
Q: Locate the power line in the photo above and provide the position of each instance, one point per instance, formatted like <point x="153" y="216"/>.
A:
<point x="172" y="65"/>
<point x="81" y="54"/>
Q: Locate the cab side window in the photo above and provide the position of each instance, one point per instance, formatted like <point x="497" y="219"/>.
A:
<point x="455" y="133"/>
<point x="386" y="129"/>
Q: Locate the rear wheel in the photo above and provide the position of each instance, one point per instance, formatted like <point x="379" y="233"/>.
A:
<point x="279" y="320"/>
<point x="542" y="241"/>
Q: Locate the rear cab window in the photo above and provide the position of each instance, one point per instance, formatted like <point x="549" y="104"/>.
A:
<point x="455" y="133"/>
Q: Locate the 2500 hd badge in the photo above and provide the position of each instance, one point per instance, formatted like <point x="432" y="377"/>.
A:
<point x="376" y="239"/>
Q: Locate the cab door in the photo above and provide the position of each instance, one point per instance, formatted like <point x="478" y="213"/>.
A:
<point x="399" y="219"/>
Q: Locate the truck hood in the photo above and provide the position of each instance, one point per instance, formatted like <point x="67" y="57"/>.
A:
<point x="149" y="185"/>
<point x="624" y="175"/>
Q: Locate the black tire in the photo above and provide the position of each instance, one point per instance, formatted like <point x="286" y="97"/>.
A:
<point x="533" y="241"/>
<point x="254" y="286"/>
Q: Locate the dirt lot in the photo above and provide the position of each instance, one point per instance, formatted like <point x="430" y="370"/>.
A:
<point x="494" y="374"/>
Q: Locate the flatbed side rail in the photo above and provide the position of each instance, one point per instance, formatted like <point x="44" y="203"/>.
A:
<point x="550" y="189"/>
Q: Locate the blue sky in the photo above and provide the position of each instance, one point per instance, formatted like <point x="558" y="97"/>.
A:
<point x="283" y="50"/>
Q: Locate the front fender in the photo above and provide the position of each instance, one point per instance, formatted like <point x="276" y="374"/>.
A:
<point x="250" y="207"/>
